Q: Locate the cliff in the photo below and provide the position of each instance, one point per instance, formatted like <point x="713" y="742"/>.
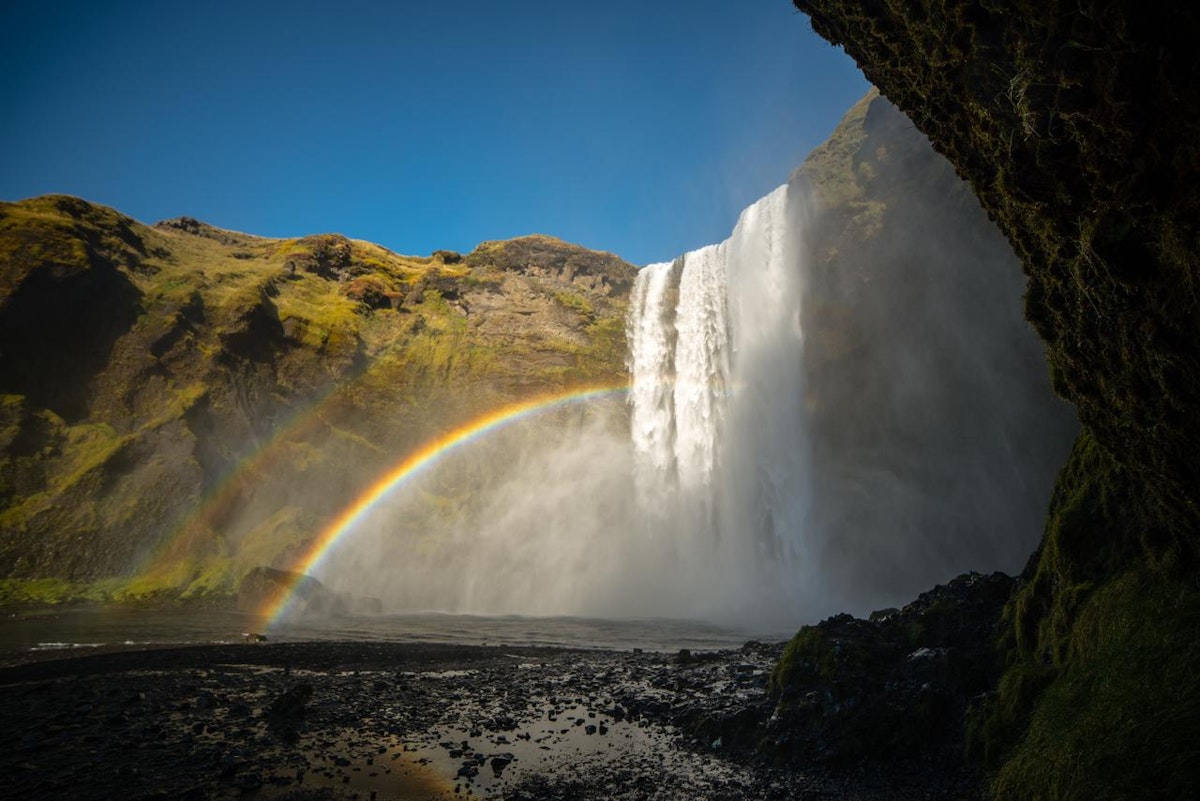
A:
<point x="180" y="403"/>
<point x="1076" y="125"/>
<point x="934" y="431"/>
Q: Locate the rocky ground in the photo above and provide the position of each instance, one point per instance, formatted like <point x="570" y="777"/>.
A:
<point x="402" y="721"/>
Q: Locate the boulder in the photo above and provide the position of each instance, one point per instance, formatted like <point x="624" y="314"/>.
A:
<point x="893" y="688"/>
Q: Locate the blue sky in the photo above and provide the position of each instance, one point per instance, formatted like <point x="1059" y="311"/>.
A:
<point x="633" y="126"/>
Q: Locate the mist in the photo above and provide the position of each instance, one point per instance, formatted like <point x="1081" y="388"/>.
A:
<point x="544" y="522"/>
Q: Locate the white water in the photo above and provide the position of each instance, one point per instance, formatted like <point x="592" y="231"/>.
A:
<point x="718" y="430"/>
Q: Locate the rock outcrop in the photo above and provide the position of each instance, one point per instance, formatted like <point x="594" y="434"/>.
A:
<point x="891" y="689"/>
<point x="264" y="586"/>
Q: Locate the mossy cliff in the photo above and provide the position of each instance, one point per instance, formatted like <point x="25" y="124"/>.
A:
<point x="180" y="403"/>
<point x="1077" y="125"/>
<point x="931" y="414"/>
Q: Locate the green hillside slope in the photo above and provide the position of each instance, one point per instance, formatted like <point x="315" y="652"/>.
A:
<point x="172" y="397"/>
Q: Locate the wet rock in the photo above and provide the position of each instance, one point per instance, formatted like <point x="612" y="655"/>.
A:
<point x="228" y="766"/>
<point x="248" y="782"/>
<point x="892" y="688"/>
<point x="291" y="704"/>
<point x="286" y="712"/>
<point x="264" y="585"/>
<point x="355" y="744"/>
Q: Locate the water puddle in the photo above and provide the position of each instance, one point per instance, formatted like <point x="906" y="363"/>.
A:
<point x="567" y="738"/>
<point x="439" y="674"/>
<point x="388" y="775"/>
<point x="450" y="761"/>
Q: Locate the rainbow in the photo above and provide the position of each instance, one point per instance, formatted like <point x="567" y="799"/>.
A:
<point x="224" y="495"/>
<point x="416" y="463"/>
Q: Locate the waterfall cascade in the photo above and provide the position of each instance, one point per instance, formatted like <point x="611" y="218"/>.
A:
<point x="716" y="357"/>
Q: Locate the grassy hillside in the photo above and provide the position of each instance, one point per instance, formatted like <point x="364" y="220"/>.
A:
<point x="179" y="403"/>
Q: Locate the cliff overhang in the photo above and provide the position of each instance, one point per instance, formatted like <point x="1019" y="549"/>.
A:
<point x="1077" y="124"/>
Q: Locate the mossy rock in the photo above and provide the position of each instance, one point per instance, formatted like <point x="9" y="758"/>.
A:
<point x="1121" y="718"/>
<point x="892" y="689"/>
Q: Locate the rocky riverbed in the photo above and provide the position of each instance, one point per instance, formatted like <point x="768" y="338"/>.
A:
<point x="404" y="721"/>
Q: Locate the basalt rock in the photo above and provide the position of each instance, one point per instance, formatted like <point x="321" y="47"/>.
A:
<point x="894" y="688"/>
<point x="265" y="585"/>
<point x="541" y="255"/>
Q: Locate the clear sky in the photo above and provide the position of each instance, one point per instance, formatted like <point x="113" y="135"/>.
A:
<point x="637" y="126"/>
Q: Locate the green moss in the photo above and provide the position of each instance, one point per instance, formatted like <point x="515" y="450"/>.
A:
<point x="38" y="592"/>
<point x="142" y="589"/>
<point x="833" y="166"/>
<point x="575" y="302"/>
<point x="89" y="447"/>
<point x="1122" y="719"/>
<point x="809" y="650"/>
<point x="216" y="578"/>
<point x="1097" y="529"/>
<point x="608" y="345"/>
<point x="15" y="593"/>
<point x="482" y="278"/>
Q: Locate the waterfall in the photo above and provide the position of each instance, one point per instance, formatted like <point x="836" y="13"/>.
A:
<point x="651" y="336"/>
<point x="716" y="357"/>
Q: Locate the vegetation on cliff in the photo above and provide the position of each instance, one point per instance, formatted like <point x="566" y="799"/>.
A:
<point x="181" y="403"/>
<point x="1076" y="124"/>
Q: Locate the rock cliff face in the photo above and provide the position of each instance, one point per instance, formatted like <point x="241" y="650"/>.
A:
<point x="180" y="403"/>
<point x="934" y="432"/>
<point x="1077" y="123"/>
